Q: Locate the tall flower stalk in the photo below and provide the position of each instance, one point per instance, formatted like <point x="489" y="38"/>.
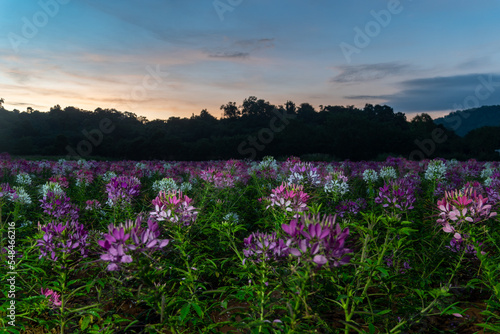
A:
<point x="64" y="245"/>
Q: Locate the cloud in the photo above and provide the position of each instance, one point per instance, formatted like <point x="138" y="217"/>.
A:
<point x="446" y="93"/>
<point x="369" y="72"/>
<point x="228" y="54"/>
<point x="240" y="48"/>
<point x="475" y="63"/>
<point x="363" y="97"/>
<point x="256" y="44"/>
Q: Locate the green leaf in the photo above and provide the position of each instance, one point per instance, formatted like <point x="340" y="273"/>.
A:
<point x="372" y="329"/>
<point x="85" y="322"/>
<point x="184" y="312"/>
<point x="384" y="312"/>
<point x="72" y="282"/>
<point x="383" y="271"/>
<point x="407" y="230"/>
<point x="198" y="310"/>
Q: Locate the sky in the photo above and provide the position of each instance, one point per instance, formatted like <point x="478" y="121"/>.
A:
<point x="165" y="58"/>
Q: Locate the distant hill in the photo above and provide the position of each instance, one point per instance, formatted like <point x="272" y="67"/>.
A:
<point x="464" y="121"/>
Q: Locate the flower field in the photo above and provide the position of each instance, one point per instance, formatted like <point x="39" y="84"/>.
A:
<point x="249" y="247"/>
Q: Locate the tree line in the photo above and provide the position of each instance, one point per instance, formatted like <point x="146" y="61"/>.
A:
<point x="252" y="130"/>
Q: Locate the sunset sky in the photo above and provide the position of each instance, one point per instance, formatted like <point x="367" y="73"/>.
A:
<point x="163" y="58"/>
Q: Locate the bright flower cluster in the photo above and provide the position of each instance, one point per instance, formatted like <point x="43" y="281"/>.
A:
<point x="51" y="187"/>
<point x="436" y="169"/>
<point x="304" y="174"/>
<point x="129" y="238"/>
<point x="370" y="176"/>
<point x="59" y="207"/>
<point x="53" y="297"/>
<point x="219" y="179"/>
<point x="462" y="206"/>
<point x="264" y="247"/>
<point x="289" y="198"/>
<point x="20" y="196"/>
<point x="318" y="240"/>
<point x="174" y="207"/>
<point x="336" y="185"/>
<point x="398" y="195"/>
<point x="459" y="209"/>
<point x="59" y="239"/>
<point x="388" y="173"/>
<point x="165" y="185"/>
<point x="23" y="179"/>
<point x="122" y="189"/>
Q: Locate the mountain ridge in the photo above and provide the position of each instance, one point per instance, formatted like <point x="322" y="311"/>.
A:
<point x="464" y="121"/>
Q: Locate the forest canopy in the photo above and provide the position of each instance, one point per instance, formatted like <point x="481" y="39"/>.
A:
<point x="252" y="130"/>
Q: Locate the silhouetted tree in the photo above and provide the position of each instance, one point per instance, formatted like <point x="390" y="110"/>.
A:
<point x="343" y="132"/>
<point x="230" y="110"/>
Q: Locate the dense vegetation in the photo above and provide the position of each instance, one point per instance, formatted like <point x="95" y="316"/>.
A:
<point x="244" y="247"/>
<point x="253" y="130"/>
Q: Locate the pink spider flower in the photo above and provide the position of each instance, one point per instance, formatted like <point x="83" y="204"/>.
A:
<point x="289" y="198"/>
<point x="52" y="296"/>
<point x="174" y="207"/>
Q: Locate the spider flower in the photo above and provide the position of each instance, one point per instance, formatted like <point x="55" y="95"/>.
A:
<point x="59" y="239"/>
<point x="220" y="179"/>
<point x="122" y="189"/>
<point x="398" y="195"/>
<point x="59" y="207"/>
<point x="289" y="198"/>
<point x="318" y="239"/>
<point x="304" y="174"/>
<point x="125" y="240"/>
<point x="460" y="206"/>
<point x="53" y="297"/>
<point x="264" y="247"/>
<point x="174" y="207"/>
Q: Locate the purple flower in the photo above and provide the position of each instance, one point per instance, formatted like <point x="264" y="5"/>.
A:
<point x="129" y="238"/>
<point x="350" y="208"/>
<point x="174" y="207"/>
<point x="52" y="296"/>
<point x="304" y="173"/>
<point x="398" y="195"/>
<point x="59" y="207"/>
<point x="390" y="263"/>
<point x="122" y="189"/>
<point x="289" y="198"/>
<point x="220" y="179"/>
<point x="7" y="191"/>
<point x="459" y="243"/>
<point x="317" y="239"/>
<point x="462" y="206"/>
<point x="264" y="247"/>
<point x="92" y="205"/>
<point x="61" y="239"/>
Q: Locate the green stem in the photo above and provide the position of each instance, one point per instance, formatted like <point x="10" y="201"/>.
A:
<point x="63" y="297"/>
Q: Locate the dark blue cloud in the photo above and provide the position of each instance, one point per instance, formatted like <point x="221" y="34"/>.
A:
<point x="369" y="72"/>
<point x="444" y="93"/>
